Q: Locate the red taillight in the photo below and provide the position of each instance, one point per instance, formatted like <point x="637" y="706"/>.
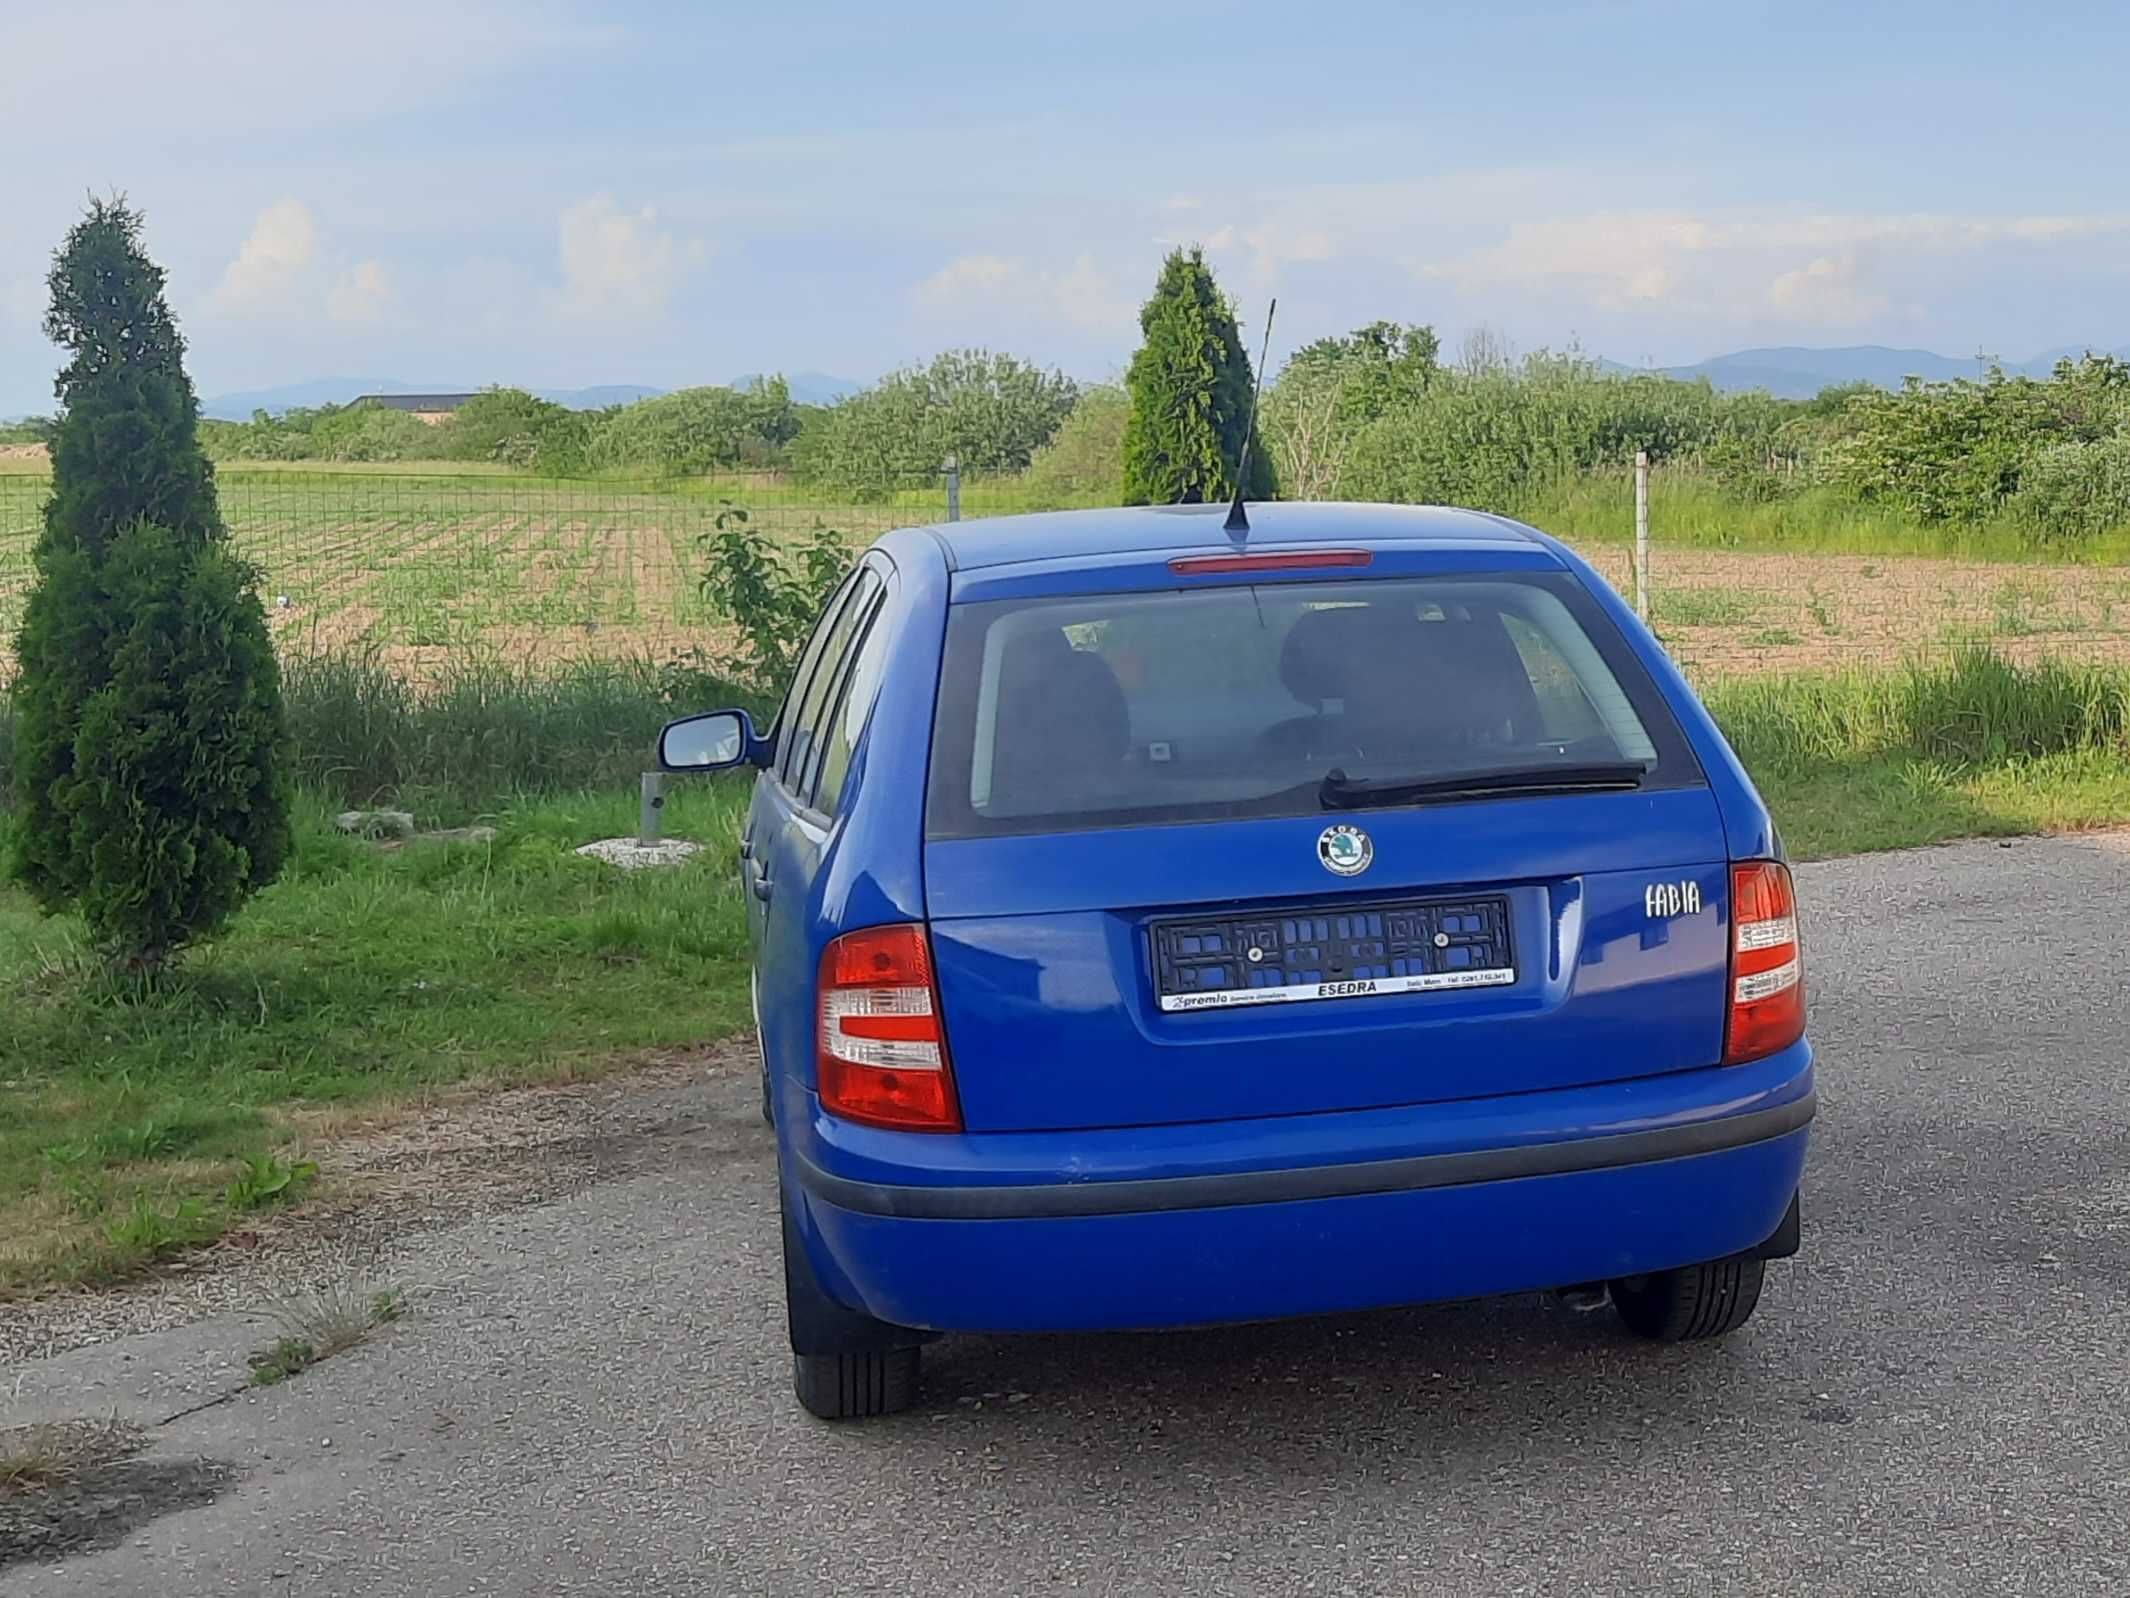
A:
<point x="1767" y="1008"/>
<point x="881" y="1056"/>
<point x="1273" y="560"/>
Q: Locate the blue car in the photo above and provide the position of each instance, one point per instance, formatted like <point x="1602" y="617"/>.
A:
<point x="1157" y="927"/>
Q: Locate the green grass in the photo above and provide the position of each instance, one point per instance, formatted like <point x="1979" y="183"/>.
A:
<point x="321" y="1324"/>
<point x="1972" y="746"/>
<point x="1705" y="607"/>
<point x="1690" y="510"/>
<point x="134" y="1122"/>
<point x="363" y="736"/>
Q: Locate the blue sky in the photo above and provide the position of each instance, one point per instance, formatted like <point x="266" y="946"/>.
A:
<point x="473" y="191"/>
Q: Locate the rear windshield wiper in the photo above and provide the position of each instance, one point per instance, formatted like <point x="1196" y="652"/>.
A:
<point x="1341" y="792"/>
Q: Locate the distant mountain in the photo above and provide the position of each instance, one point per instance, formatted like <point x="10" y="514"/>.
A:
<point x="1795" y="372"/>
<point x="807" y="388"/>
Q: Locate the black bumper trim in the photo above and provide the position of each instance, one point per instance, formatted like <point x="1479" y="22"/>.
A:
<point x="1142" y="1195"/>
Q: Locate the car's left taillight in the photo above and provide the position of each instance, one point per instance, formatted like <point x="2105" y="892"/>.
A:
<point x="1767" y="1008"/>
<point x="881" y="1055"/>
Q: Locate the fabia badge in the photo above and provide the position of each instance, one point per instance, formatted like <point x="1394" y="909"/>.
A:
<point x="1345" y="850"/>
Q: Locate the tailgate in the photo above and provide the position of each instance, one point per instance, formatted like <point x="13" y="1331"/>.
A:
<point x="1106" y="977"/>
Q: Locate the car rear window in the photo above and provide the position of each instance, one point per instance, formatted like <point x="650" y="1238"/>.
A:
<point x="1123" y="709"/>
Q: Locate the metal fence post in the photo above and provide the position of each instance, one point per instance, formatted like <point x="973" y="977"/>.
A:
<point x="952" y="468"/>
<point x="1641" y="533"/>
<point x="650" y="815"/>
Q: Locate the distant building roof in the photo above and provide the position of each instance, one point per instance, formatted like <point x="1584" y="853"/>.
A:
<point x="414" y="402"/>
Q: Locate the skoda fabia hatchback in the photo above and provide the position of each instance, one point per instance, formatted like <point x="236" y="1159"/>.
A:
<point x="1156" y="928"/>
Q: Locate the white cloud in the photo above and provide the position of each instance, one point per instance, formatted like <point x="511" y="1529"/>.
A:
<point x="618" y="263"/>
<point x="363" y="293"/>
<point x="1081" y="296"/>
<point x="1827" y="291"/>
<point x="273" y="263"/>
<point x="1809" y="268"/>
<point x="973" y="276"/>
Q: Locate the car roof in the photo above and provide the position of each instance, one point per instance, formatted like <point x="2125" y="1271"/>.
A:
<point x="1165" y="529"/>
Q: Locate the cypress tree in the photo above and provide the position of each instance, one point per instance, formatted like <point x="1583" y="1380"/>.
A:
<point x="150" y="792"/>
<point x="1190" y="391"/>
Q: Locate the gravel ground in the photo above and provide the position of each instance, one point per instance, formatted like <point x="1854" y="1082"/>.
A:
<point x="423" y="1170"/>
<point x="590" y="1395"/>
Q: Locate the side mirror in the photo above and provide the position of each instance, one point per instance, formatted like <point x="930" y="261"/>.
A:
<point x="715" y="741"/>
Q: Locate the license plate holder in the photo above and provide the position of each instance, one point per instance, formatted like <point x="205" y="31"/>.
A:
<point x="1348" y="951"/>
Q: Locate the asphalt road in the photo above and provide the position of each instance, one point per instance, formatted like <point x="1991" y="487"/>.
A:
<point x="591" y="1396"/>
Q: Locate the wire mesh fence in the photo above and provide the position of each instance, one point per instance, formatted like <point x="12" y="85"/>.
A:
<point x="423" y="569"/>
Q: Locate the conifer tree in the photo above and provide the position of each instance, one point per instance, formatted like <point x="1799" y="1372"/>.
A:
<point x="1190" y="392"/>
<point x="150" y="792"/>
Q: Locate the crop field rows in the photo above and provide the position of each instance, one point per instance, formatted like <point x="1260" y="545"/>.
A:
<point x="422" y="570"/>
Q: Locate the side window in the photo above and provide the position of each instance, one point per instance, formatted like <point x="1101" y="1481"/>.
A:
<point x="802" y="677"/>
<point x="1566" y="714"/>
<point x="801" y="759"/>
<point x="847" y="721"/>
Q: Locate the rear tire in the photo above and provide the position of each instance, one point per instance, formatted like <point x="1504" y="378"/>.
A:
<point x="856" y="1386"/>
<point x="1692" y="1302"/>
<point x="845" y="1365"/>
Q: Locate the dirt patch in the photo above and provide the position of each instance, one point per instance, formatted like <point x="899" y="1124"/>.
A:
<point x="77" y="1485"/>
<point x="386" y="1172"/>
<point x="1726" y="613"/>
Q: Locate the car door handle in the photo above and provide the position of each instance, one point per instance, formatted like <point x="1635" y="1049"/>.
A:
<point x="759" y="875"/>
<point x="746" y="846"/>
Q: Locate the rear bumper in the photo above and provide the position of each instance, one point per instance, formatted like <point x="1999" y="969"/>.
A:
<point x="1176" y="1226"/>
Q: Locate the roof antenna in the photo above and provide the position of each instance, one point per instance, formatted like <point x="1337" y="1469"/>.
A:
<point x="1237" y="526"/>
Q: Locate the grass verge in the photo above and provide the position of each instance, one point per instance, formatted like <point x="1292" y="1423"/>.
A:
<point x="1970" y="746"/>
<point x="1693" y="510"/>
<point x="361" y="734"/>
<point x="137" y="1121"/>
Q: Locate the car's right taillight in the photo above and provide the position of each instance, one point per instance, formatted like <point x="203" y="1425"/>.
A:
<point x="882" y="1055"/>
<point x="1767" y="1008"/>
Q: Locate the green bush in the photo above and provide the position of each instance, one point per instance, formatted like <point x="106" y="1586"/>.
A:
<point x="1334" y="387"/>
<point x="695" y="431"/>
<point x="990" y="412"/>
<point x="1958" y="451"/>
<point x="1079" y="465"/>
<point x="1499" y="438"/>
<point x="497" y="424"/>
<point x="147" y="759"/>
<point x="772" y="595"/>
<point x="2071" y="494"/>
<point x="373" y="432"/>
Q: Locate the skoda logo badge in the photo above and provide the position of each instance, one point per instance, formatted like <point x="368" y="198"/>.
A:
<point x="1345" y="850"/>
